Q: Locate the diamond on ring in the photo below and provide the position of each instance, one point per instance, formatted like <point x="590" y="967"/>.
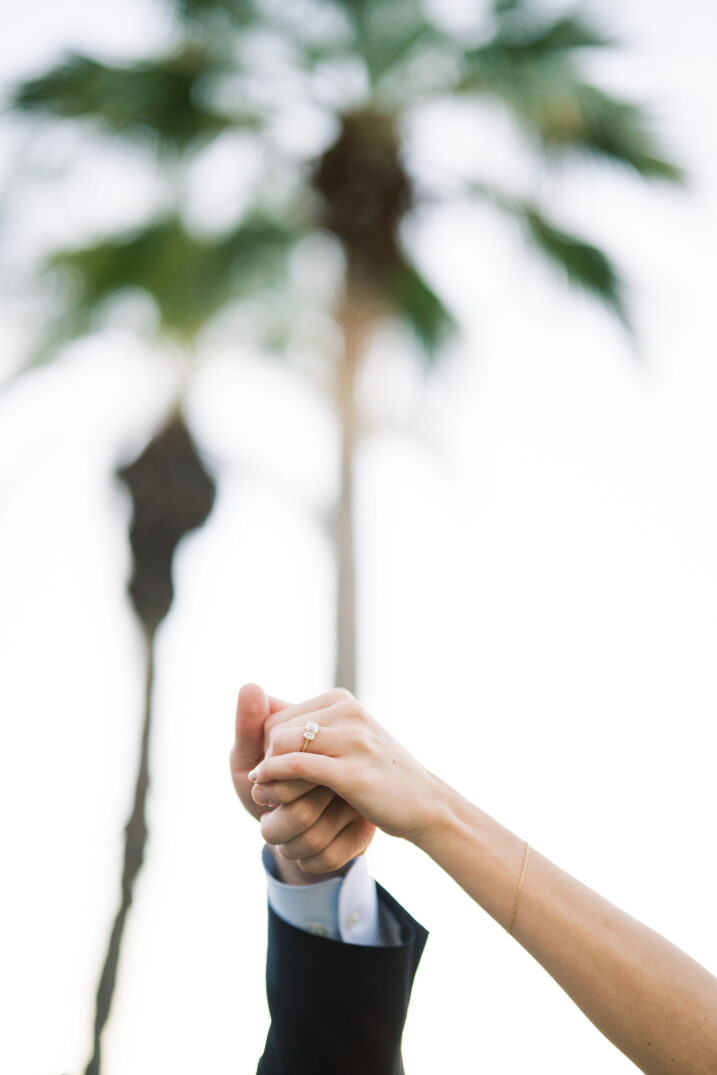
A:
<point x="310" y="729"/>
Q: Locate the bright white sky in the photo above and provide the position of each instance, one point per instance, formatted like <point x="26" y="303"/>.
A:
<point x="537" y="606"/>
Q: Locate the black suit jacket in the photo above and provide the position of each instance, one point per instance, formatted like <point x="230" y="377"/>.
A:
<point x="337" y="1008"/>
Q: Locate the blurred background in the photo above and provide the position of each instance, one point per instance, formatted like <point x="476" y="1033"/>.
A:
<point x="388" y="328"/>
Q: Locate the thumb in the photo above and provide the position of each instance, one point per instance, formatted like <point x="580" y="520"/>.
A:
<point x="252" y="711"/>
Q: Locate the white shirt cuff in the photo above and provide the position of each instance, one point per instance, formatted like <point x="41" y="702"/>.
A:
<point x="342" y="908"/>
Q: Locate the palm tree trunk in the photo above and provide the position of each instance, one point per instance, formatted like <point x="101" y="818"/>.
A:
<point x="355" y="317"/>
<point x="135" y="839"/>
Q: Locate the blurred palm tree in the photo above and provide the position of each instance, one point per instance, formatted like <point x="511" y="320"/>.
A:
<point x="365" y="68"/>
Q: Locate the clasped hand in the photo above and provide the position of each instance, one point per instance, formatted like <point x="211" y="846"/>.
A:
<point x="319" y="808"/>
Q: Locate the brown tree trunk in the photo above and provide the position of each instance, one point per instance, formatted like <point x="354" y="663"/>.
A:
<point x="172" y="493"/>
<point x="135" y="839"/>
<point x="355" y="317"/>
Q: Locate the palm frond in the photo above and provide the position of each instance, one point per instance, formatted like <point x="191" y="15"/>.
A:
<point x="567" y="34"/>
<point x="161" y="98"/>
<point x="414" y="302"/>
<point x="385" y="32"/>
<point x="535" y="76"/>
<point x="189" y="277"/>
<point x="590" y="121"/>
<point x="238" y="12"/>
<point x="584" y="265"/>
<point x="526" y="40"/>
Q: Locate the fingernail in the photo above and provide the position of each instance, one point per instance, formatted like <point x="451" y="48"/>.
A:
<point x="252" y="774"/>
<point x="261" y="797"/>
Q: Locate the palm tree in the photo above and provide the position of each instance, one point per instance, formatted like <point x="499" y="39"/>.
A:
<point x="365" y="68"/>
<point x="367" y="65"/>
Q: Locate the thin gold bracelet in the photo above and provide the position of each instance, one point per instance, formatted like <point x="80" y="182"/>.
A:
<point x="519" y="889"/>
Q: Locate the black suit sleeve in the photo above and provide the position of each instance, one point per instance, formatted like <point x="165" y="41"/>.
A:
<point x="337" y="1008"/>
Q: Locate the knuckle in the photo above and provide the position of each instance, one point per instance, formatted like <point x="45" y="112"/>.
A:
<point x="314" y="843"/>
<point x="309" y="866"/>
<point x="293" y="767"/>
<point x="351" y="816"/>
<point x="267" y="825"/>
<point x="315" y="864"/>
<point x="362" y="835"/>
<point x="353" y="709"/>
<point x="331" y="858"/>
<point x="273" y="740"/>
<point x="287" y="852"/>
<point x="271" y="725"/>
<point x="277" y="791"/>
<point x="360" y="738"/>
<point x="340" y="694"/>
<point x="303" y="812"/>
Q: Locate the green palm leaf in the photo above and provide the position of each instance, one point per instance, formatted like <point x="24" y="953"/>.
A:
<point x="529" y="64"/>
<point x="595" y="123"/>
<point x="529" y="40"/>
<point x="527" y="49"/>
<point x="530" y="67"/>
<point x="584" y="265"/>
<point x="239" y="12"/>
<point x="385" y="32"/>
<point x="189" y="277"/>
<point x="415" y="303"/>
<point x="161" y="98"/>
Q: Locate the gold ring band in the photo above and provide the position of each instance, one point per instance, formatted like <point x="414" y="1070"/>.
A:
<point x="311" y="730"/>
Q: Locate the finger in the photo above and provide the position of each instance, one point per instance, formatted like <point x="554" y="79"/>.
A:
<point x="283" y="824"/>
<point x="315" y="768"/>
<point x="315" y="839"/>
<point x="277" y="704"/>
<point x="251" y="715"/>
<point x="352" y="841"/>
<point x="336" y="696"/>
<point x="290" y="739"/>
<point x="280" y="792"/>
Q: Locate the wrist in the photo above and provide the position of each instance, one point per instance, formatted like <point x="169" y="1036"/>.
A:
<point x="445" y="811"/>
<point x="290" y="873"/>
<point x="479" y="853"/>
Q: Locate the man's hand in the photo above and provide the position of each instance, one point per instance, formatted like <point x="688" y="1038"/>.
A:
<point x="316" y="834"/>
<point x="253" y="711"/>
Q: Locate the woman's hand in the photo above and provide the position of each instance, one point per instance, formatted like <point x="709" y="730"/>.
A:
<point x="354" y="756"/>
<point x="316" y="832"/>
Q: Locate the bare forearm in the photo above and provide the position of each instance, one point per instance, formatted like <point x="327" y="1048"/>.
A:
<point x="649" y="998"/>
